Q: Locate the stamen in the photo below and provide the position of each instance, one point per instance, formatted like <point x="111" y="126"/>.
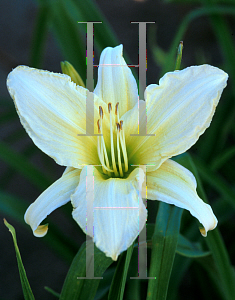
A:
<point x="123" y="145"/>
<point x="98" y="124"/>
<point x="118" y="151"/>
<point x="122" y="160"/>
<point x="117" y="111"/>
<point x="109" y="107"/>
<point x="102" y="151"/>
<point x="111" y="138"/>
<point x="101" y="112"/>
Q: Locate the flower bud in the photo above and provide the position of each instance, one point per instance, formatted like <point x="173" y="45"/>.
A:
<point x="68" y="69"/>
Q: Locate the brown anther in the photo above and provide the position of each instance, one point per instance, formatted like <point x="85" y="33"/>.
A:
<point x="121" y="124"/>
<point x="118" y="126"/>
<point x="116" y="108"/>
<point x="109" y="107"/>
<point x="98" y="123"/>
<point x="101" y="113"/>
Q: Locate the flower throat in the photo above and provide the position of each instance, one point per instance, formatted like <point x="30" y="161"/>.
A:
<point x="115" y="164"/>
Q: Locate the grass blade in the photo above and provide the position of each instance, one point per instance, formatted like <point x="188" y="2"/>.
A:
<point x="75" y="288"/>
<point x="28" y="294"/>
<point x="119" y="278"/>
<point x="19" y="163"/>
<point x="39" y="35"/>
<point x="214" y="241"/>
<point x="69" y="36"/>
<point x="165" y="240"/>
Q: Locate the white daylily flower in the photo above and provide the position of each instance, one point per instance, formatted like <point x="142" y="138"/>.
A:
<point x="53" y="111"/>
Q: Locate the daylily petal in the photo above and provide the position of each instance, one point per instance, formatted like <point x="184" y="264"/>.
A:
<point x="131" y="121"/>
<point x="174" y="184"/>
<point x="119" y="212"/>
<point x="179" y="110"/>
<point x="53" y="197"/>
<point x="116" y="82"/>
<point x="53" y="111"/>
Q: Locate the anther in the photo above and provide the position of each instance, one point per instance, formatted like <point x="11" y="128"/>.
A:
<point x="118" y="151"/>
<point x="101" y="112"/>
<point x="121" y="123"/>
<point x="118" y="126"/>
<point x="109" y="107"/>
<point x="98" y="123"/>
<point x="116" y="108"/>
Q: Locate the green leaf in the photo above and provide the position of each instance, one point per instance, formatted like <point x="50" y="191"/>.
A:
<point x="23" y="166"/>
<point x="88" y="10"/>
<point x="104" y="285"/>
<point x="189" y="249"/>
<point x="221" y="159"/>
<point x="69" y="36"/>
<point x="119" y="278"/>
<point x="15" y="207"/>
<point x="57" y="295"/>
<point x="214" y="240"/>
<point x="165" y="240"/>
<point x="179" y="56"/>
<point x="65" y="16"/>
<point x="184" y="246"/>
<point x="225" y="39"/>
<point x="76" y="288"/>
<point x="180" y="267"/>
<point x="28" y="295"/>
<point x="40" y="35"/>
<point x="190" y="17"/>
<point x="216" y="182"/>
<point x="68" y="69"/>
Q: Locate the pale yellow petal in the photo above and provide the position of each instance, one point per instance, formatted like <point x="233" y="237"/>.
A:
<point x="116" y="82"/>
<point x="174" y="184"/>
<point x="53" y="197"/>
<point x="53" y="111"/>
<point x="118" y="210"/>
<point x="179" y="110"/>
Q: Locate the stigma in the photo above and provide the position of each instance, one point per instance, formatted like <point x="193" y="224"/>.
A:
<point x="115" y="161"/>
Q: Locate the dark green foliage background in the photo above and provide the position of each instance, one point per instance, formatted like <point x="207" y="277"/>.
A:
<point x="41" y="34"/>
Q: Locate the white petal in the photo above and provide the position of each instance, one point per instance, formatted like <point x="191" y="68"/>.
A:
<point x="119" y="212"/>
<point x="179" y="110"/>
<point x="174" y="184"/>
<point x="53" y="197"/>
<point x="53" y="111"/>
<point x="116" y="82"/>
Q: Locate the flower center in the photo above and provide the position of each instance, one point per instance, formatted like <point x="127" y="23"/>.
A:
<point x="114" y="163"/>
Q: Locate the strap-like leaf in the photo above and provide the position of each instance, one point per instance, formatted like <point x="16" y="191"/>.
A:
<point x="76" y="288"/>
<point x="28" y="294"/>
<point x="119" y="279"/>
<point x="164" y="240"/>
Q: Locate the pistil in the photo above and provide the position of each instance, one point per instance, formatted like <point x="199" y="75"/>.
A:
<point x="111" y="139"/>
<point x="118" y="167"/>
<point x="123" y="145"/>
<point x="102" y="152"/>
<point x="118" y="151"/>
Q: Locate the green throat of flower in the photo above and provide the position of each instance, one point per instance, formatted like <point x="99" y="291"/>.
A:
<point x="115" y="163"/>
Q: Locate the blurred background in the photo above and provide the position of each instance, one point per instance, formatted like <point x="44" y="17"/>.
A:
<point x="43" y="33"/>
